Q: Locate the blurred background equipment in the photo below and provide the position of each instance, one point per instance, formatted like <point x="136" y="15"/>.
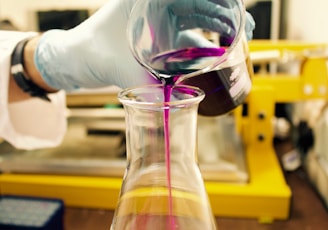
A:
<point x="18" y="213"/>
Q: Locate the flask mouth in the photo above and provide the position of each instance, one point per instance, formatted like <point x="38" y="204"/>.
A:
<point x="158" y="95"/>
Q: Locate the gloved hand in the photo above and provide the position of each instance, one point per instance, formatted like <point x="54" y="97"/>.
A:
<point x="96" y="52"/>
<point x="249" y="21"/>
<point x="93" y="54"/>
<point x="164" y="21"/>
<point x="161" y="30"/>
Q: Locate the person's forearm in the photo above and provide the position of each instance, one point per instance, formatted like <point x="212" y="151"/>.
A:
<point x="15" y="93"/>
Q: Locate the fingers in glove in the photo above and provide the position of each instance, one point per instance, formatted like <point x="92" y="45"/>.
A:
<point x="200" y="21"/>
<point x="249" y="26"/>
<point x="205" y="8"/>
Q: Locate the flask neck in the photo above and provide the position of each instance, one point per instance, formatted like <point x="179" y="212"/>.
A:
<point x="153" y="130"/>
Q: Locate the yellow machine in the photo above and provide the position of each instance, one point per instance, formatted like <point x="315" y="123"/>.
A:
<point x="264" y="196"/>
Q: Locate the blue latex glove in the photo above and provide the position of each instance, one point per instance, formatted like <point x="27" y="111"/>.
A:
<point x="95" y="53"/>
<point x="166" y="20"/>
<point x="249" y="21"/>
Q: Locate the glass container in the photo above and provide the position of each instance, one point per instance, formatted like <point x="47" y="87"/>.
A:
<point x="196" y="42"/>
<point x="162" y="187"/>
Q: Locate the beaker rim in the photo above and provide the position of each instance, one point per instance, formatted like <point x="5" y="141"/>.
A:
<point x="153" y="95"/>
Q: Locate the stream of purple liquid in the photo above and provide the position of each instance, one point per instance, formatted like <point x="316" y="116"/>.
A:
<point x="167" y="95"/>
<point x="185" y="54"/>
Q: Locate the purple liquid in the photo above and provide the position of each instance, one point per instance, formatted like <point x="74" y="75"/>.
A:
<point x="224" y="88"/>
<point x="175" y="63"/>
<point x="167" y="95"/>
<point x="172" y="221"/>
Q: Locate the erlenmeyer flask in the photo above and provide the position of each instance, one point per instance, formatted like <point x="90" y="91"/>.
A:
<point x="162" y="187"/>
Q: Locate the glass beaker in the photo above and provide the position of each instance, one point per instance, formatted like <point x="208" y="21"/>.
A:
<point x="162" y="188"/>
<point x="195" y="42"/>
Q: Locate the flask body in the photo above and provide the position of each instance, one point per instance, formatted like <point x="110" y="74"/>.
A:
<point x="162" y="187"/>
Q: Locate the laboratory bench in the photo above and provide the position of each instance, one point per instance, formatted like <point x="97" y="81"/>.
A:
<point x="307" y="210"/>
